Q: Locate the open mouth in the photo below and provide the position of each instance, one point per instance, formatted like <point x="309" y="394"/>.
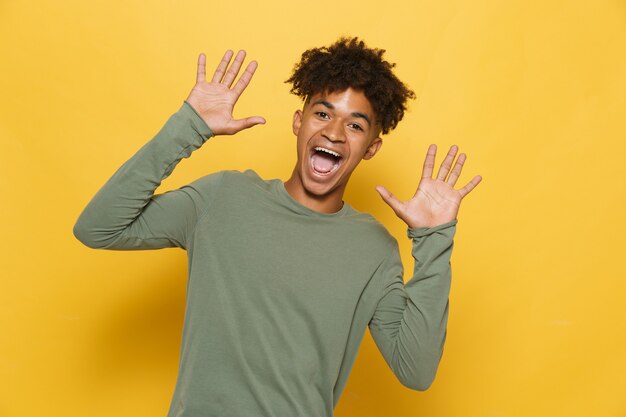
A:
<point x="324" y="161"/>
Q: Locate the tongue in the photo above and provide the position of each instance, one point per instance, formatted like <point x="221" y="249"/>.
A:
<point x="323" y="162"/>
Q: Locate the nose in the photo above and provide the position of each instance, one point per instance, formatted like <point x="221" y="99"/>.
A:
<point x="333" y="131"/>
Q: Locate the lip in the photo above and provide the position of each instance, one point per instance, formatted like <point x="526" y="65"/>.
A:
<point x="335" y="168"/>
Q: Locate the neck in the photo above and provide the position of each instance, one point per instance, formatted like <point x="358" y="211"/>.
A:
<point x="328" y="204"/>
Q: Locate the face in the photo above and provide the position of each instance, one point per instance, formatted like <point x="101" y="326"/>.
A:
<point x="334" y="132"/>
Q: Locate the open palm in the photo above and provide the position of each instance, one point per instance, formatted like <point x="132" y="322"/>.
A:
<point x="214" y="101"/>
<point x="436" y="201"/>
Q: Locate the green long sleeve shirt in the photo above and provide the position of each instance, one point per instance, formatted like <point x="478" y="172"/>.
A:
<point x="279" y="296"/>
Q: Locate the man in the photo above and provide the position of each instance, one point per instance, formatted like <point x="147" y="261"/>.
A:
<point x="284" y="278"/>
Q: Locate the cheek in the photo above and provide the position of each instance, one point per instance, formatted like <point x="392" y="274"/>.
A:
<point x="360" y="147"/>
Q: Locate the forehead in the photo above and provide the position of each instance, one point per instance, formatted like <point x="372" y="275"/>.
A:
<point x="348" y="101"/>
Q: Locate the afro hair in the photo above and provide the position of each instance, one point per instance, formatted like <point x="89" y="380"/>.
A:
<point x="349" y="63"/>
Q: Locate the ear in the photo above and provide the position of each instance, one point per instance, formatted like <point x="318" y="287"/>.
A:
<point x="297" y="121"/>
<point x="373" y="148"/>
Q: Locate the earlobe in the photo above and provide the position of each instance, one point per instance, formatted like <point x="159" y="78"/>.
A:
<point x="297" y="121"/>
<point x="373" y="148"/>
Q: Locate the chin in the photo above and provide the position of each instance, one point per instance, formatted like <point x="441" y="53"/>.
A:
<point x="318" y="189"/>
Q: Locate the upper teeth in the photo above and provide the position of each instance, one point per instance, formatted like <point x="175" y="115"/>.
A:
<point x="335" y="154"/>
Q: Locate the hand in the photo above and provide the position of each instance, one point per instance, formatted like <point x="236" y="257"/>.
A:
<point x="214" y="101"/>
<point x="436" y="201"/>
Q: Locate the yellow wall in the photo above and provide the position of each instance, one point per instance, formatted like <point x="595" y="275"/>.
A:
<point x="534" y="92"/>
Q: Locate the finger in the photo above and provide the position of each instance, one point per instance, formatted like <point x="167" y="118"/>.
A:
<point x="248" y="122"/>
<point x="221" y="68"/>
<point x="444" y="169"/>
<point x="201" y="74"/>
<point x="396" y="205"/>
<point x="234" y="68"/>
<point x="429" y="162"/>
<point x="245" y="78"/>
<point x="470" y="186"/>
<point x="456" y="171"/>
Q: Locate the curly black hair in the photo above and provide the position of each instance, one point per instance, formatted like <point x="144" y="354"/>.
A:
<point x="350" y="63"/>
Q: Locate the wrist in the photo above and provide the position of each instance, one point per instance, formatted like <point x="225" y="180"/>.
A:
<point x="199" y="123"/>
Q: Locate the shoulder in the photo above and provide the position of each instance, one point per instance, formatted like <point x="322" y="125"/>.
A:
<point x="376" y="244"/>
<point x="248" y="180"/>
<point x="225" y="188"/>
<point x="231" y="186"/>
<point x="229" y="177"/>
<point x="371" y="230"/>
<point x="366" y="221"/>
<point x="248" y="176"/>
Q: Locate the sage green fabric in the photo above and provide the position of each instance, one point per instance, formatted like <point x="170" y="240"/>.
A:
<point x="279" y="296"/>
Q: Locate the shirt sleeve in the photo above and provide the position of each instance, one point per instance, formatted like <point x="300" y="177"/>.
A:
<point x="409" y="322"/>
<point x="126" y="215"/>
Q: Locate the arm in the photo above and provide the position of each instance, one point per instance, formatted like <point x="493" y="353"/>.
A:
<point x="125" y="213"/>
<point x="409" y="323"/>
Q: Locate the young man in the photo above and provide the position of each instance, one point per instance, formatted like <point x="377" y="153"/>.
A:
<point x="284" y="278"/>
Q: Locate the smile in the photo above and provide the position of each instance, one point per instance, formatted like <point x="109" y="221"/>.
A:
<point x="325" y="161"/>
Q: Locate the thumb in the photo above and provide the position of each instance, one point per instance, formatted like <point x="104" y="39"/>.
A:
<point x="248" y="122"/>
<point x="396" y="205"/>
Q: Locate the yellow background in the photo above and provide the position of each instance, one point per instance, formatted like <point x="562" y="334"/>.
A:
<point x="533" y="92"/>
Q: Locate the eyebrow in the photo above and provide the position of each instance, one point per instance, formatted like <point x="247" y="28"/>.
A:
<point x="353" y="114"/>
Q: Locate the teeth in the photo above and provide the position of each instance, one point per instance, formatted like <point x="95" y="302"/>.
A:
<point x="335" y="154"/>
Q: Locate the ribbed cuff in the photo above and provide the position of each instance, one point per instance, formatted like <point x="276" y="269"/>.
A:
<point x="198" y="123"/>
<point x="414" y="232"/>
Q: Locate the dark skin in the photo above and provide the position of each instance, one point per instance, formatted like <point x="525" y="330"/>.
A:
<point x="340" y="122"/>
<point x="435" y="201"/>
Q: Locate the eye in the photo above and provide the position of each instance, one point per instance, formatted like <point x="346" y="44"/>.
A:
<point x="322" y="114"/>
<point x="355" y="126"/>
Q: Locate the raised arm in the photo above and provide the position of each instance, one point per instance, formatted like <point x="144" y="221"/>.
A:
<point x="410" y="321"/>
<point x="125" y="214"/>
